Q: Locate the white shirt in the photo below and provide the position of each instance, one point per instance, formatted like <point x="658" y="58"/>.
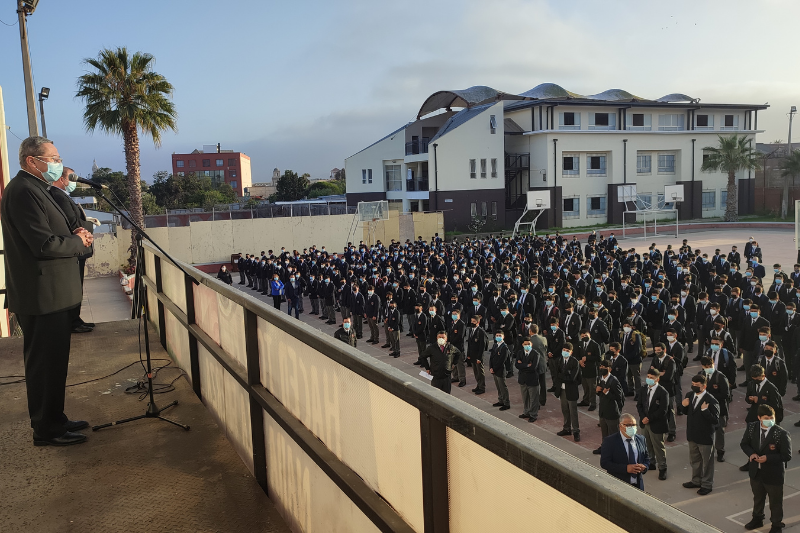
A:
<point x="625" y="441"/>
<point x="651" y="393"/>
<point x="698" y="399"/>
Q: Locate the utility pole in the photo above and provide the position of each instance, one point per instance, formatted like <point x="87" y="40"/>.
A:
<point x="23" y="9"/>
<point x="785" y="200"/>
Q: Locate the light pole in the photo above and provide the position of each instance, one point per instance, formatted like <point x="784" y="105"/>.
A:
<point x="25" y="8"/>
<point x="785" y="201"/>
<point x="43" y="95"/>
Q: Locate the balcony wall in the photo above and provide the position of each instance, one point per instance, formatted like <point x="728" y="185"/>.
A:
<point x="344" y="443"/>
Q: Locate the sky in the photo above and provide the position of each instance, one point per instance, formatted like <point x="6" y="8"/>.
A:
<point x="303" y="85"/>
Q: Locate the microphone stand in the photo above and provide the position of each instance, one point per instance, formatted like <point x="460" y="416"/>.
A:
<point x="139" y="311"/>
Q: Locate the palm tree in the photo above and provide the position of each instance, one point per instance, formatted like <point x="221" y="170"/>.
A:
<point x="789" y="170"/>
<point x="123" y="96"/>
<point x="734" y="153"/>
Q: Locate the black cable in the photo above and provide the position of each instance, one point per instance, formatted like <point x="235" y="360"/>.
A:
<point x="10" y="25"/>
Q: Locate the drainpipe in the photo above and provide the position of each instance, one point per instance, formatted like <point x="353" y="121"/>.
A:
<point x="624" y="160"/>
<point x="555" y="163"/>
<point x="691" y="201"/>
<point x="436" y="177"/>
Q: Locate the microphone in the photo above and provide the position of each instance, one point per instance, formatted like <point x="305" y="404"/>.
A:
<point x="90" y="183"/>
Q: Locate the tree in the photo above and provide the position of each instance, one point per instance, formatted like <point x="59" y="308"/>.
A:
<point x="149" y="205"/>
<point x="291" y="187"/>
<point x="117" y="182"/>
<point x="325" y="188"/>
<point x="789" y="170"/>
<point x="124" y="96"/>
<point x="476" y="224"/>
<point x="733" y="153"/>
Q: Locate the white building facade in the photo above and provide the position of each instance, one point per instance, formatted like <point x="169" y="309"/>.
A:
<point x="481" y="161"/>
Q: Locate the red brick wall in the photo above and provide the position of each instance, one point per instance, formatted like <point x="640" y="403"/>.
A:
<point x="212" y="157"/>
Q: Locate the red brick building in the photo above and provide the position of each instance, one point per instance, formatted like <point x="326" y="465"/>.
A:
<point x="222" y="166"/>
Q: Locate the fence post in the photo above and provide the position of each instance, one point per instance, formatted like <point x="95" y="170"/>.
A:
<point x="193" y="355"/>
<point x="435" y="495"/>
<point x="162" y="320"/>
<point x="256" y="412"/>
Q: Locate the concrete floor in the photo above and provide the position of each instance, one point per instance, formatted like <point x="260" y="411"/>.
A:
<point x="729" y="506"/>
<point x="144" y="476"/>
<point x="104" y="300"/>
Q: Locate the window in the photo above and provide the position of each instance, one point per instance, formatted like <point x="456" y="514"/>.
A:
<point x="572" y="166"/>
<point x="723" y="198"/>
<point x="704" y="122"/>
<point x="670" y="122"/>
<point x="473" y="209"/>
<point x="705" y="159"/>
<point x="220" y="162"/>
<point x="493" y="124"/>
<point x="666" y="163"/>
<point x="394" y="181"/>
<point x="602" y="121"/>
<point x="483" y="168"/>
<point x="709" y="200"/>
<point x="596" y="165"/>
<point x="572" y="208"/>
<point x="483" y="209"/>
<point x="180" y="173"/>
<point x="472" y="171"/>
<point x="731" y="122"/>
<point x="232" y="173"/>
<point x="231" y="162"/>
<point x="596" y="205"/>
<point x="569" y="121"/>
<point x="369" y="175"/>
<point x="643" y="164"/>
<point x="234" y="184"/>
<point x="639" y="122"/>
<point x="494" y="210"/>
<point x="644" y="200"/>
<point x="192" y="163"/>
<point x="494" y="167"/>
<point x="179" y="163"/>
<point x="206" y="162"/>
<point x="363" y="175"/>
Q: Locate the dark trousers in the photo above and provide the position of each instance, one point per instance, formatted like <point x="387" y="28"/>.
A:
<point x="760" y="493"/>
<point x="292" y="304"/>
<point x="442" y="384"/>
<point x="358" y="323"/>
<point x="46" y="356"/>
<point x="76" y="313"/>
<point x="374" y="331"/>
<point x="276" y="301"/>
<point x="241" y="277"/>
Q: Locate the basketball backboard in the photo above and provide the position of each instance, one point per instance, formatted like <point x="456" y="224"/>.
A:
<point x="626" y="193"/>
<point x="539" y="199"/>
<point x="673" y="193"/>
<point x="369" y="211"/>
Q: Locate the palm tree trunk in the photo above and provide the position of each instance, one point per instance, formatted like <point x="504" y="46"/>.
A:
<point x="732" y="204"/>
<point x="131" y="140"/>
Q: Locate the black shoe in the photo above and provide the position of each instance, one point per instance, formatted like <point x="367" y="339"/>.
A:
<point x="720" y="457"/>
<point x="523" y="415"/>
<point x="497" y="404"/>
<point x="532" y="419"/>
<point x="597" y="451"/>
<point x="691" y="349"/>
<point x="776" y="529"/>
<point x="796" y="398"/>
<point x="697" y="358"/>
<point x="629" y="394"/>
<point x="475" y="390"/>
<point x="385" y="346"/>
<point x="755" y="523"/>
<point x="690" y="485"/>
<point x="744" y="384"/>
<point x="409" y="334"/>
<point x="359" y="336"/>
<point x="652" y="467"/>
<point x="577" y="436"/>
<point x="76" y="425"/>
<point x="81" y="329"/>
<point x="453" y="380"/>
<point x="583" y="404"/>
<point x="551" y="389"/>
<point x="323" y="318"/>
<point x="797" y="424"/>
<point x="460" y="383"/>
<point x="679" y="412"/>
<point x="741" y="368"/>
<point x="703" y="492"/>
<point x="662" y="474"/>
<point x="396" y="355"/>
<point x="592" y="407"/>
<point x="89" y="324"/>
<point x="67" y="439"/>
<point x="331" y="322"/>
<point x="480" y="392"/>
<point x="564" y="433"/>
<point x="505" y="408"/>
<point x="671" y="438"/>
<point x="416" y="363"/>
<point x="744" y="468"/>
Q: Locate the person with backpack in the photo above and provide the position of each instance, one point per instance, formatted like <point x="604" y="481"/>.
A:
<point x="529" y="362"/>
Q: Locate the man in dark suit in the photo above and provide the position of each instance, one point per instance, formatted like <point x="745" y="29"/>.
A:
<point x="624" y="454"/>
<point x="420" y="330"/>
<point x="665" y="364"/>
<point x="240" y="263"/>
<point x="618" y="366"/>
<point x="750" y="325"/>
<point x="43" y="286"/>
<point x="393" y="322"/>
<point x="611" y="401"/>
<point x="372" y="308"/>
<point x="588" y="354"/>
<point x="774" y="367"/>
<point x="529" y="362"/>
<point x="702" y="418"/>
<point x="768" y="447"/>
<point x="476" y="346"/>
<point x="631" y="343"/>
<point x="438" y="358"/>
<point x="499" y="366"/>
<point x="652" y="407"/>
<point x="719" y="387"/>
<point x="566" y="381"/>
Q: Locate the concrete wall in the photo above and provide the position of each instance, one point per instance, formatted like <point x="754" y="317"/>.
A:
<point x="214" y="242"/>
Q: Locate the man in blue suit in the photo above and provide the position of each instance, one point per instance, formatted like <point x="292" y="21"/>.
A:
<point x="624" y="454"/>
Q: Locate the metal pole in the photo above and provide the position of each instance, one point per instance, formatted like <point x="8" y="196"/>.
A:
<point x="41" y="110"/>
<point x="30" y="97"/>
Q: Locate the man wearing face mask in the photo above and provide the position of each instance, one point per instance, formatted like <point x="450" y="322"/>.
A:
<point x="76" y="219"/>
<point x="774" y="367"/>
<point x="499" y="365"/>
<point x="43" y="286"/>
<point x="529" y="363"/>
<point x="624" y="454"/>
<point x="702" y="411"/>
<point x="347" y="333"/>
<point x="719" y="388"/>
<point x="768" y="448"/>
<point x="566" y="381"/>
<point x="438" y="361"/>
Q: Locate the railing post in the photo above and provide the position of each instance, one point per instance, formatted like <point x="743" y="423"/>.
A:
<point x="162" y="320"/>
<point x="435" y="495"/>
<point x="194" y="359"/>
<point x="256" y="412"/>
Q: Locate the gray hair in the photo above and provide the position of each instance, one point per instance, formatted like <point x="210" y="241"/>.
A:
<point x="626" y="416"/>
<point x="32" y="146"/>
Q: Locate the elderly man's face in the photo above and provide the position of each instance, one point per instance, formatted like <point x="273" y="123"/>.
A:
<point x="38" y="164"/>
<point x="62" y="182"/>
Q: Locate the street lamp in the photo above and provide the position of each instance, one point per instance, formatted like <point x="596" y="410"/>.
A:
<point x="43" y="94"/>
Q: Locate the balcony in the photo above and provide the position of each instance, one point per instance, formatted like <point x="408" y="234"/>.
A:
<point x="417" y="185"/>
<point x="518" y="161"/>
<point x="416" y="147"/>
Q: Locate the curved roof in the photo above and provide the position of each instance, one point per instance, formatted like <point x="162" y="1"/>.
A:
<point x="676" y="97"/>
<point x="614" y="95"/>
<point x="477" y="95"/>
<point x="549" y="90"/>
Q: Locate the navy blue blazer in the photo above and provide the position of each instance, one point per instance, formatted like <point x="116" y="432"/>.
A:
<point x="614" y="457"/>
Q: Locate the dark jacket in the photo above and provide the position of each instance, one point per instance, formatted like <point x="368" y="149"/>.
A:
<point x="500" y="359"/>
<point x="569" y="375"/>
<point x="701" y="424"/>
<point x="619" y="369"/>
<point x="777" y="447"/>
<point x="611" y="403"/>
<point x="440" y="361"/>
<point x="41" y="253"/>
<point x="614" y="457"/>
<point x="348" y="336"/>
<point x="528" y="365"/>
<point x="224" y="276"/>
<point x="476" y="344"/>
<point x="668" y="373"/>
<point x="656" y="411"/>
<point x="632" y="347"/>
<point x="592" y="354"/>
<point x="76" y="217"/>
<point x="776" y="372"/>
<point x="768" y="395"/>
<point x="720" y="389"/>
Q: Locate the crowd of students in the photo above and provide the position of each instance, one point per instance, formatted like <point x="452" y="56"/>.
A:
<point x="584" y="313"/>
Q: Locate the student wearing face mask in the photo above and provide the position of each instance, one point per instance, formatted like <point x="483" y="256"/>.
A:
<point x="555" y="342"/>
<point x="529" y="362"/>
<point x="420" y="329"/>
<point x="768" y="448"/>
<point x="438" y="361"/>
<point x="702" y="419"/>
<point x="611" y="400"/>
<point x="760" y="392"/>
<point x="624" y="454"/>
<point x="436" y="323"/>
<point x="718" y="387"/>
<point x="277" y="290"/>
<point x="347" y="333"/>
<point x="499" y="365"/>
<point x="566" y="382"/>
<point x="588" y="354"/>
<point x="653" y="406"/>
<point x="476" y="346"/>
<point x="751" y="342"/>
<point x="456" y="331"/>
<point x="774" y="367"/>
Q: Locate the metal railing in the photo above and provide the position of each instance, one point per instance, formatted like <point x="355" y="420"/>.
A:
<point x="308" y="412"/>
<point x="417" y="185"/>
<point x="417" y="147"/>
